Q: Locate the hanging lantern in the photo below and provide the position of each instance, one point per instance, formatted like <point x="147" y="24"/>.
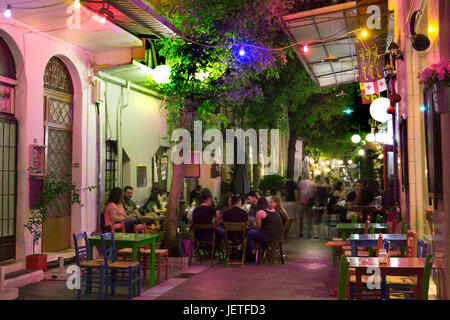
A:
<point x="378" y="109"/>
<point x="330" y="58"/>
<point x="390" y="110"/>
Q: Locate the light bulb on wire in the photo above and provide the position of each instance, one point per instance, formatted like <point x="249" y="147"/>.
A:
<point x="76" y="4"/>
<point x="242" y="52"/>
<point x="364" y="33"/>
<point x="7" y="12"/>
<point x="305" y="48"/>
<point x="102" y="19"/>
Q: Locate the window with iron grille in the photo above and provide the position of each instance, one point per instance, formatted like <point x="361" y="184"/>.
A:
<point x="8" y="195"/>
<point x="111" y="165"/>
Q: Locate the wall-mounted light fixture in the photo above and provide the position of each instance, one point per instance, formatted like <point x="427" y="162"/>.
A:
<point x="395" y="51"/>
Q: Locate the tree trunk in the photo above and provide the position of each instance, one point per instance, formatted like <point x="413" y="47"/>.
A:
<point x="171" y="221"/>
<point x="291" y="152"/>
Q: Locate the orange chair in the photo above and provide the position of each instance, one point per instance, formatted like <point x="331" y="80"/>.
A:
<point x="145" y="254"/>
<point x="411" y="246"/>
<point x="118" y="225"/>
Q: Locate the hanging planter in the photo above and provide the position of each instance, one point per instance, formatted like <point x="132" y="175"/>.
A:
<point x="437" y="77"/>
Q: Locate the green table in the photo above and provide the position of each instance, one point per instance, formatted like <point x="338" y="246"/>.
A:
<point x="349" y="228"/>
<point x="133" y="241"/>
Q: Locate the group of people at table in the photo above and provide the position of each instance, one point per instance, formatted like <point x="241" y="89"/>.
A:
<point x="264" y="218"/>
<point x="121" y="208"/>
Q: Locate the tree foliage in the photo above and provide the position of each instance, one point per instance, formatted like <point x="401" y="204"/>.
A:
<point x="315" y="115"/>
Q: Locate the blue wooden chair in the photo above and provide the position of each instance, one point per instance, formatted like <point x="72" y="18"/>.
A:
<point x="91" y="270"/>
<point x="131" y="269"/>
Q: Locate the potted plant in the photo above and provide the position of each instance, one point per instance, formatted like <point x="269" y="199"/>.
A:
<point x="54" y="187"/>
<point x="437" y="77"/>
<point x="186" y="238"/>
<point x="273" y="182"/>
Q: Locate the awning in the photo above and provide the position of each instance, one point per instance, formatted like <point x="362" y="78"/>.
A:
<point x="137" y="17"/>
<point x="326" y="23"/>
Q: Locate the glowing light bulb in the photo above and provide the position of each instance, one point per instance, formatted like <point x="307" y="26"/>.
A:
<point x="76" y="4"/>
<point x="305" y="48"/>
<point x="356" y="138"/>
<point x="7" y="12"/>
<point x="364" y="33"/>
<point x="102" y="19"/>
<point x="370" y="137"/>
<point x="361" y="152"/>
<point x="430" y="29"/>
<point x="242" y="52"/>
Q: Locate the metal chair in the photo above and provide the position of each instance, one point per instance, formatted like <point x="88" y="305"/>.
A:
<point x="112" y="266"/>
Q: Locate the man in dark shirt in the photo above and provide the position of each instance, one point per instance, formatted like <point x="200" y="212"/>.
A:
<point x="235" y="215"/>
<point x="204" y="213"/>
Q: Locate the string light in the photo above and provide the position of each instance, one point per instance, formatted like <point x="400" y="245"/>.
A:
<point x="305" y="48"/>
<point x="102" y="19"/>
<point x="242" y="45"/>
<point x="77" y="4"/>
<point x="364" y="33"/>
<point x="241" y="52"/>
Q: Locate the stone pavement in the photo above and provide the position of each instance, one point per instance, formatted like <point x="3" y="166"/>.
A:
<point x="307" y="274"/>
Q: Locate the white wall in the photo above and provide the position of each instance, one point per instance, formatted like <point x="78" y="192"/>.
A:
<point x="142" y="127"/>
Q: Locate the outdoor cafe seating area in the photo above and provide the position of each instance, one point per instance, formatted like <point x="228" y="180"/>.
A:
<point x="381" y="260"/>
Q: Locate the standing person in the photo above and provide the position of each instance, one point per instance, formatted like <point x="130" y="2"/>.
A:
<point x="320" y="203"/>
<point x="304" y="204"/>
<point x="275" y="203"/>
<point x="268" y="226"/>
<point x="129" y="205"/>
<point x="115" y="212"/>
<point x="204" y="213"/>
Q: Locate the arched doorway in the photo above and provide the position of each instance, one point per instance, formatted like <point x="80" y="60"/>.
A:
<point x="58" y="125"/>
<point x="8" y="155"/>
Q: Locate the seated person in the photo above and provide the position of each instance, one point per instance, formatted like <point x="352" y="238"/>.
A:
<point x="268" y="226"/>
<point x="235" y="214"/>
<point x="128" y="204"/>
<point x="115" y="212"/>
<point x="204" y="213"/>
<point x="356" y="197"/>
<point x="154" y="205"/>
<point x="275" y="203"/>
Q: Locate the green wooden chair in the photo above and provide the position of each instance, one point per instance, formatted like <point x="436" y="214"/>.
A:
<point x="354" y="219"/>
<point x="343" y="278"/>
<point x="406" y="286"/>
<point x="404" y="231"/>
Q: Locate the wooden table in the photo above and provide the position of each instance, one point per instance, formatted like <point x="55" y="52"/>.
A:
<point x="349" y="228"/>
<point x="396" y="267"/>
<point x="371" y="240"/>
<point x="133" y="241"/>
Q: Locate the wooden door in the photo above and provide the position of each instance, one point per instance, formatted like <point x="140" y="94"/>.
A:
<point x="58" y="124"/>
